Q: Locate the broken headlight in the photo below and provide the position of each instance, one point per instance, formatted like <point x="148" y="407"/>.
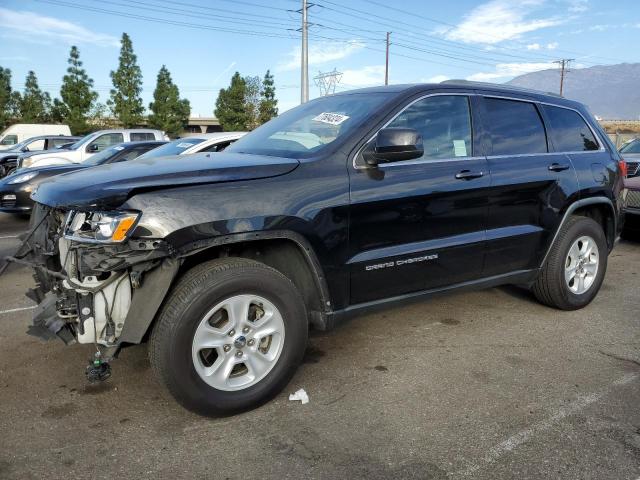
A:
<point x="100" y="227"/>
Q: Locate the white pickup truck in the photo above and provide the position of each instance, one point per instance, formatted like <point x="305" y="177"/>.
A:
<point x="89" y="145"/>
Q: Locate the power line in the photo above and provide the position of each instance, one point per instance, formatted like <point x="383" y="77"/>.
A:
<point x="227" y="18"/>
<point x="217" y="10"/>
<point x="363" y="15"/>
<point x="451" y="25"/>
<point x="166" y="21"/>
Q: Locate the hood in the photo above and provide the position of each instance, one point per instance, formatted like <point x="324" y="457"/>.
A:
<point x="56" y="169"/>
<point x="632" y="183"/>
<point x="9" y="153"/>
<point x="43" y="172"/>
<point x="29" y="153"/>
<point x="108" y="186"/>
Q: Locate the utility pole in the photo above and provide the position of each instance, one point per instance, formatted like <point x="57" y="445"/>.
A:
<point x="304" y="57"/>
<point x="564" y="69"/>
<point x="386" y="63"/>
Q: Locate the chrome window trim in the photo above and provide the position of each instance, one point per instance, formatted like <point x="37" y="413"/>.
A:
<point x="425" y="160"/>
<point x="476" y="94"/>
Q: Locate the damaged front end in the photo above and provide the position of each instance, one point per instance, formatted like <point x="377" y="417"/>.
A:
<point x="91" y="276"/>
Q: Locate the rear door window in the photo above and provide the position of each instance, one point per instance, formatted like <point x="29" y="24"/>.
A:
<point x="516" y="127"/>
<point x="568" y="130"/>
<point x="55" y="142"/>
<point x="444" y="122"/>
<point x="141" y="136"/>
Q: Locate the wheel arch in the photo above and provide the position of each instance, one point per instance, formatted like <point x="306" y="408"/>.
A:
<point x="288" y="252"/>
<point x="600" y="209"/>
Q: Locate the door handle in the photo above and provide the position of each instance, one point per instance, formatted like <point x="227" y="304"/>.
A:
<point x="557" y="167"/>
<point x="468" y="175"/>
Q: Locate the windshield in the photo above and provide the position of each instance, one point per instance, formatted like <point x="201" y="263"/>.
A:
<point x="103" y="156"/>
<point x="631" y="147"/>
<point x="308" y="129"/>
<point x="173" y="148"/>
<point x="19" y="146"/>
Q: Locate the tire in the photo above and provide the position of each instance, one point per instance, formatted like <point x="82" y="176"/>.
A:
<point x="551" y="287"/>
<point x="180" y="364"/>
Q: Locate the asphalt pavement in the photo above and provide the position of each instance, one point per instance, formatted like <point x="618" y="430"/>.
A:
<point x="487" y="385"/>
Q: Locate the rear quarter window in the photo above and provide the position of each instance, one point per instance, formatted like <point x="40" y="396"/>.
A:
<point x="516" y="127"/>
<point x="568" y="130"/>
<point x="141" y="136"/>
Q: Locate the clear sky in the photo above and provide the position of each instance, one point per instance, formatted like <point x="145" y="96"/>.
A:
<point x="204" y="42"/>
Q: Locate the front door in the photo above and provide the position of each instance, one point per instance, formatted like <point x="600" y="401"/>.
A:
<point x="419" y="224"/>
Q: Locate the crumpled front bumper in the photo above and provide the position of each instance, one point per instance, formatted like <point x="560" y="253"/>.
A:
<point x="104" y="294"/>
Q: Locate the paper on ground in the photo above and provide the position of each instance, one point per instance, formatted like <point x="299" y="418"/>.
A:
<point x="300" y="395"/>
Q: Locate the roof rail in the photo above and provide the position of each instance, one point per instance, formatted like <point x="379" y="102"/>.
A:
<point x="501" y="86"/>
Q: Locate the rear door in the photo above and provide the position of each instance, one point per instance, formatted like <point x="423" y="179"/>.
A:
<point x="570" y="134"/>
<point x="529" y="185"/>
<point x="419" y="224"/>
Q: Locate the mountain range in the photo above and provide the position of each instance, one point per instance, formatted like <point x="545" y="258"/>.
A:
<point x="612" y="92"/>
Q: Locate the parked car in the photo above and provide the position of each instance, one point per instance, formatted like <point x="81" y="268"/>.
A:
<point x="631" y="154"/>
<point x="632" y="208"/>
<point x="9" y="157"/>
<point x="349" y="202"/>
<point x="20" y="132"/>
<point x="89" y="145"/>
<point x="15" y="190"/>
<point x="206" y="142"/>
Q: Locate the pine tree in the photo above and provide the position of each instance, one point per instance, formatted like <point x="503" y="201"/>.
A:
<point x="59" y="112"/>
<point x="268" y="103"/>
<point x="77" y="95"/>
<point x="231" y="109"/>
<point x="169" y="113"/>
<point x="125" y="101"/>
<point x="34" y="104"/>
<point x="6" y="97"/>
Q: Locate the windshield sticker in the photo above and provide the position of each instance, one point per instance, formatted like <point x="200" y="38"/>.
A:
<point x="184" y="145"/>
<point x="331" y="118"/>
<point x="459" y="148"/>
<point x="118" y="148"/>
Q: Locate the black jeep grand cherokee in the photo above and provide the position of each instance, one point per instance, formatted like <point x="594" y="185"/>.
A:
<point x="346" y="203"/>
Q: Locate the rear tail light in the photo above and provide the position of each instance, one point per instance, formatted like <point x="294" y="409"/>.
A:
<point x="622" y="165"/>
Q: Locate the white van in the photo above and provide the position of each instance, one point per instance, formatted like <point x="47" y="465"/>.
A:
<point x="88" y="146"/>
<point x="21" y="131"/>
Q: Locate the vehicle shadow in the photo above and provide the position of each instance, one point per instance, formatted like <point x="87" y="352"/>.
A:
<point x="519" y="293"/>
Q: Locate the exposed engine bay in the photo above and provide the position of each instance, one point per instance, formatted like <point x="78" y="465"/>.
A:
<point x="84" y="290"/>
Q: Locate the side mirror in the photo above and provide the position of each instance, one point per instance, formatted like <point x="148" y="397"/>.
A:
<point x="25" y="149"/>
<point x="394" y="145"/>
<point x="93" y="147"/>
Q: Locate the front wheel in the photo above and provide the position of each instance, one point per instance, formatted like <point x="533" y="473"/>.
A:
<point x="229" y="337"/>
<point x="575" y="268"/>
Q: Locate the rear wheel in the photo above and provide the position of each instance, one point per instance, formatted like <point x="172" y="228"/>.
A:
<point x="575" y="268"/>
<point x="229" y="337"/>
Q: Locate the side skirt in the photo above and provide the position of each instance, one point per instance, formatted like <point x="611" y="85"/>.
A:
<point x="520" y="277"/>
